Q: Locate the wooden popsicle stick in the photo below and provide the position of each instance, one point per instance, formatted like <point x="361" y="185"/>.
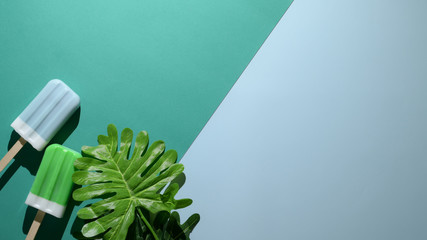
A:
<point x="35" y="225"/>
<point x="12" y="152"/>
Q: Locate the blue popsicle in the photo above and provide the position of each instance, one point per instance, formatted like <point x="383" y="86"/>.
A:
<point x="46" y="114"/>
<point x="43" y="117"/>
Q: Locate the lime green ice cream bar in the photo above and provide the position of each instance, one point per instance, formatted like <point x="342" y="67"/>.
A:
<point x="52" y="186"/>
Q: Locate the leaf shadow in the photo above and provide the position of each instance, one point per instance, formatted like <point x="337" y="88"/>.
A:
<point x="29" y="157"/>
<point x="180" y="180"/>
<point x="51" y="227"/>
<point x="77" y="226"/>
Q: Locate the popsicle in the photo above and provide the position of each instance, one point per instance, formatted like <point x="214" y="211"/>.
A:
<point x="43" y="117"/>
<point x="52" y="185"/>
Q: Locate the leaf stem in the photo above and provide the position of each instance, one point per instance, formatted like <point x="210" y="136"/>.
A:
<point x="148" y="224"/>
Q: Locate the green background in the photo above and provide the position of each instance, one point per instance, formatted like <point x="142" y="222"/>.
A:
<point x="159" y="66"/>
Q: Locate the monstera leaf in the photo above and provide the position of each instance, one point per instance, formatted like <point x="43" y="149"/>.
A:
<point x="172" y="229"/>
<point x="125" y="183"/>
<point x="166" y="225"/>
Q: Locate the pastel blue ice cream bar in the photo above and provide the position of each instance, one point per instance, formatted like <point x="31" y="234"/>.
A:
<point x="46" y="114"/>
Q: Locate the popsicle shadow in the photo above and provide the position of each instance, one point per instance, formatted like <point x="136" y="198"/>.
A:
<point x="51" y="227"/>
<point x="29" y="157"/>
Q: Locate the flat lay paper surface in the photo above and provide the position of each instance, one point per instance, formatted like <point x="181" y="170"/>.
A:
<point x="324" y="136"/>
<point x="159" y="66"/>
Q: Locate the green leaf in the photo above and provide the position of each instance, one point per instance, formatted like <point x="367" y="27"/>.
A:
<point x="167" y="225"/>
<point x="124" y="183"/>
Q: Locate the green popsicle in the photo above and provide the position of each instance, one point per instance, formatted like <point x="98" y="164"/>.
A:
<point x="52" y="186"/>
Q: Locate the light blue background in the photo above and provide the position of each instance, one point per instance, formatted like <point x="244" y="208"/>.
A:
<point x="324" y="135"/>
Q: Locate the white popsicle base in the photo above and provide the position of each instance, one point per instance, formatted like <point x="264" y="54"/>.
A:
<point x="29" y="134"/>
<point x="45" y="205"/>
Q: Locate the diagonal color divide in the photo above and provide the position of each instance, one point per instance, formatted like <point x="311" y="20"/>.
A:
<point x="158" y="65"/>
